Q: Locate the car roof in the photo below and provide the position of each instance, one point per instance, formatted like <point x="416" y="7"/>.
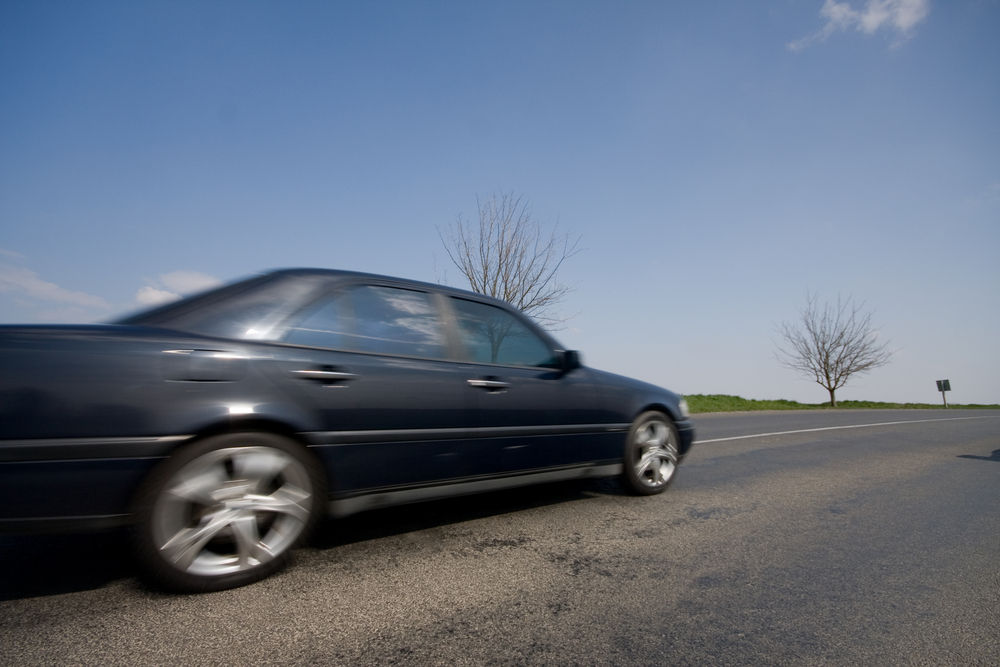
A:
<point x="331" y="278"/>
<point x="359" y="276"/>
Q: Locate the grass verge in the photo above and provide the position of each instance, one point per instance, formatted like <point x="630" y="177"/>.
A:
<point x="725" y="403"/>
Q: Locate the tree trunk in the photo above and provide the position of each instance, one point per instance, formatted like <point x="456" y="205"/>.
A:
<point x="833" y="398"/>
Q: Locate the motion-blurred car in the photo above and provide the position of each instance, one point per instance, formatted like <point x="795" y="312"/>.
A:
<point x="224" y="426"/>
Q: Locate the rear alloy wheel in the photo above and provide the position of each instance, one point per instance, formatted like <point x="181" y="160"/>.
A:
<point x="227" y="511"/>
<point x="651" y="454"/>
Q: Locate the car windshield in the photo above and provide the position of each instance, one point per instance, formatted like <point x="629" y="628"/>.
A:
<point x="246" y="310"/>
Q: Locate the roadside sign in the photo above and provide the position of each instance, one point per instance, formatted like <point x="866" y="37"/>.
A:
<point x="943" y="386"/>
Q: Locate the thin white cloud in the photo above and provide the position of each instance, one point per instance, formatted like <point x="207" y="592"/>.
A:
<point x="11" y="254"/>
<point x="23" y="281"/>
<point x="177" y="284"/>
<point x="896" y="15"/>
<point x="150" y="296"/>
<point x="187" y="282"/>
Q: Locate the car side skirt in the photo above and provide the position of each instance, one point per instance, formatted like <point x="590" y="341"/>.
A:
<point x="63" y="524"/>
<point x="341" y="507"/>
<point x="68" y="449"/>
<point x="416" y="435"/>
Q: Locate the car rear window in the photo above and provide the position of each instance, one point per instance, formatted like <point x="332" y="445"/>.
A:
<point x="326" y="324"/>
<point x="248" y="311"/>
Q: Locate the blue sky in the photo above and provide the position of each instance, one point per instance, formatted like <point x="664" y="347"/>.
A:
<point x="718" y="161"/>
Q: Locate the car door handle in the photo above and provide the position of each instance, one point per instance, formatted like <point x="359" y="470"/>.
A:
<point x="492" y="385"/>
<point x="324" y="375"/>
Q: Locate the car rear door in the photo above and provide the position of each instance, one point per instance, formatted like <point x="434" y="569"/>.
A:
<point x="374" y="362"/>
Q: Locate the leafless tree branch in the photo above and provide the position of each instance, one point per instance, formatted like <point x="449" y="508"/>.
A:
<point x="508" y="256"/>
<point x="830" y="344"/>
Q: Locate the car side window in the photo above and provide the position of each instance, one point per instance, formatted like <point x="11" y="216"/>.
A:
<point x="391" y="320"/>
<point x="327" y="324"/>
<point x="491" y="335"/>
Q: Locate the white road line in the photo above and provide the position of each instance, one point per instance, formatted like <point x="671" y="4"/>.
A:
<point x="835" y="428"/>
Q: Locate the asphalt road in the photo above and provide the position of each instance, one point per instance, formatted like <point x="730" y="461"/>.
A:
<point x="877" y="545"/>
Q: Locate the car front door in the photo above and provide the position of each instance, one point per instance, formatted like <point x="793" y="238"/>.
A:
<point x="530" y="414"/>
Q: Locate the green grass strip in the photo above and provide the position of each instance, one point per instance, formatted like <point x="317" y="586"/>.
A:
<point x="725" y="403"/>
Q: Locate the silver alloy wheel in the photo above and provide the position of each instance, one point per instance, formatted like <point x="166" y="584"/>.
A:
<point x="231" y="510"/>
<point x="655" y="453"/>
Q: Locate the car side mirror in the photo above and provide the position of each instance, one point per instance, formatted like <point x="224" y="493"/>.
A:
<point x="569" y="360"/>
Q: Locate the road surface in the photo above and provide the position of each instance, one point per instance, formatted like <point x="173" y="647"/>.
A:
<point x="876" y="545"/>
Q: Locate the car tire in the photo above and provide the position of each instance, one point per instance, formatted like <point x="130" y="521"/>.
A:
<point x="226" y="511"/>
<point x="651" y="454"/>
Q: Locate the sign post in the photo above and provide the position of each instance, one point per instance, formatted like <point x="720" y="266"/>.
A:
<point x="943" y="386"/>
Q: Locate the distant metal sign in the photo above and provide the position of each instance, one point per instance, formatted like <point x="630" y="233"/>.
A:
<point x="943" y="386"/>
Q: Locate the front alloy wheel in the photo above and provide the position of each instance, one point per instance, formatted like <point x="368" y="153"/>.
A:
<point x="651" y="454"/>
<point x="227" y="511"/>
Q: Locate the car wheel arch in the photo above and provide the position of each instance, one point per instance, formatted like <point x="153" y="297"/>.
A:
<point x="260" y="425"/>
<point x="656" y="407"/>
<point x="666" y="410"/>
<point x="265" y="426"/>
<point x="247" y="425"/>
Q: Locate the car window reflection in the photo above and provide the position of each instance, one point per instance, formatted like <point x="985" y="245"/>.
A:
<point x="327" y="324"/>
<point x="251" y="314"/>
<point x="493" y="336"/>
<point x="397" y="321"/>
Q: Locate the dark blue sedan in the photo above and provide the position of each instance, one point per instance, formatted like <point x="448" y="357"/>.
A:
<point x="223" y="427"/>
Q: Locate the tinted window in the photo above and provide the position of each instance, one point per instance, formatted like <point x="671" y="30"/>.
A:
<point x="397" y="321"/>
<point x="248" y="310"/>
<point x="327" y="324"/>
<point x="491" y="335"/>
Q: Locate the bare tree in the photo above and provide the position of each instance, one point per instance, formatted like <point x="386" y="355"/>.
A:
<point x="830" y="344"/>
<point x="509" y="256"/>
